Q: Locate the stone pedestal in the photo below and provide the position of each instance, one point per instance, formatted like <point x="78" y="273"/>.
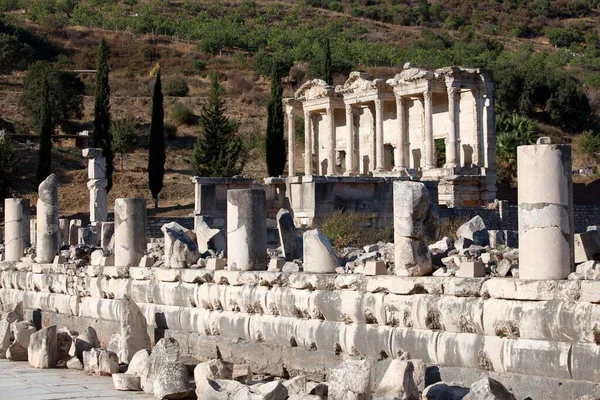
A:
<point x="246" y="229"/>
<point x="74" y="226"/>
<point x="63" y="225"/>
<point x="130" y="231"/>
<point x="48" y="230"/>
<point x="16" y="226"/>
<point x="545" y="193"/>
<point x="97" y="184"/>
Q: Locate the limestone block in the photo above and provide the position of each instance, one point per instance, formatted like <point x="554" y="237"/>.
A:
<point x="140" y="273"/>
<point x="75" y="363"/>
<point x="464" y="350"/>
<point x="166" y="274"/>
<point x="351" y="380"/>
<point x="213" y="369"/>
<point x="174" y="294"/>
<point x="195" y="320"/>
<point x="48" y="231"/>
<point x="279" y="264"/>
<point x="166" y="351"/>
<point x="367" y="340"/>
<point x="231" y="324"/>
<point x="280" y="331"/>
<point x="105" y="309"/>
<point x="319" y="256"/>
<point x="475" y="231"/>
<point x="42" y="349"/>
<point x="16" y="352"/>
<point x="471" y="269"/>
<point x="488" y="388"/>
<point x="537" y="357"/>
<point x="418" y="343"/>
<point x="584" y="358"/>
<point x="134" y="328"/>
<point x="289" y="302"/>
<point x="545" y="211"/>
<point x="200" y="275"/>
<point x="209" y="239"/>
<point x="22" y="331"/>
<point x="311" y="281"/>
<point x="291" y="244"/>
<point x="315" y="335"/>
<point x="246" y="229"/>
<point x="98" y="199"/>
<point x="215" y="264"/>
<point x="58" y="303"/>
<point x="107" y="233"/>
<point x="411" y="206"/>
<point x="130" y="231"/>
<point x="137" y="362"/>
<point x="248" y="299"/>
<point x="100" y="362"/>
<point x="172" y="381"/>
<point x="398" y="382"/>
<point x="350" y="281"/>
<point x="209" y="296"/>
<point x="586" y="246"/>
<point x="16" y="228"/>
<point x="161" y="316"/>
<point x="296" y="385"/>
<point x="507" y="288"/>
<point x="375" y="268"/>
<point x="180" y="250"/>
<point x="126" y="382"/>
<point x="221" y="389"/>
<point x="97" y="167"/>
<point x="85" y="341"/>
<point x="412" y="257"/>
<point x="405" y="285"/>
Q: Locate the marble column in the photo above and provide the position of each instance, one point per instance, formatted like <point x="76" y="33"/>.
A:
<point x="350" y="156"/>
<point x="48" y="228"/>
<point x="16" y="228"/>
<point x="291" y="141"/>
<point x="130" y="231"/>
<point x="429" y="145"/>
<point x="246" y="229"/>
<point x="331" y="156"/>
<point x="451" y="145"/>
<point x="379" y="157"/>
<point x="308" y="152"/>
<point x="400" y="159"/>
<point x="63" y="224"/>
<point x="545" y="194"/>
<point x="477" y="137"/>
<point x="97" y="184"/>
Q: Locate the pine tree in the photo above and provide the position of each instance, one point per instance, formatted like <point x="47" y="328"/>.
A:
<point x="327" y="73"/>
<point x="156" y="142"/>
<point x="45" y="129"/>
<point x="219" y="152"/>
<point x="102" y="134"/>
<point x="275" y="142"/>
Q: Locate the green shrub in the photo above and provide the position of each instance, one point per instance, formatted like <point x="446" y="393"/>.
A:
<point x="199" y="65"/>
<point x="170" y="131"/>
<point x="593" y="81"/>
<point x="175" y="86"/>
<point x="346" y="229"/>
<point x="181" y="114"/>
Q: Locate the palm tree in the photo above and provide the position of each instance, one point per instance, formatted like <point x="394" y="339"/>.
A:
<point x="512" y="131"/>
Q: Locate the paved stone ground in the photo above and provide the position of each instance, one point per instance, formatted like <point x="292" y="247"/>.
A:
<point x="19" y="381"/>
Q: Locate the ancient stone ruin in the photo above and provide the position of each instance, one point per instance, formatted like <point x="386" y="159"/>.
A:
<point x="488" y="315"/>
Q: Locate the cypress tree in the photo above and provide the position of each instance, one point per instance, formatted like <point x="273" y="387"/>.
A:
<point x="102" y="134"/>
<point x="45" y="129"/>
<point x="156" y="142"/>
<point x="275" y="142"/>
<point x="327" y="73"/>
<point x="219" y="152"/>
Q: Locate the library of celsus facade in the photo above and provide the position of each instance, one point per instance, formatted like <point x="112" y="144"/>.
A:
<point x="436" y="126"/>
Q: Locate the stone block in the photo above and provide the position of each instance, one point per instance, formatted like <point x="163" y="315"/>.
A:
<point x="180" y="250"/>
<point x="127" y="382"/>
<point x="373" y="268"/>
<point x="277" y="264"/>
<point x="412" y="257"/>
<point x="471" y="269"/>
<point x="351" y="380"/>
<point x="42" y="349"/>
<point x="291" y="244"/>
<point x="587" y="246"/>
<point x="214" y="264"/>
<point x="319" y="256"/>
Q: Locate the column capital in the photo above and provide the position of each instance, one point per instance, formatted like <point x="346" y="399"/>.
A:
<point x="400" y="100"/>
<point x="348" y="108"/>
<point x="329" y="109"/>
<point x="378" y="104"/>
<point x="306" y="114"/>
<point x="453" y="92"/>
<point x="289" y="110"/>
<point x="427" y="95"/>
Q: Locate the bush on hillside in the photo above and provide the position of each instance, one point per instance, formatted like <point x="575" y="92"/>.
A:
<point x="175" y="86"/>
<point x="170" y="131"/>
<point x="181" y="114"/>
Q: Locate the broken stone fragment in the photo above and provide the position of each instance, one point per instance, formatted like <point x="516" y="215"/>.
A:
<point x="86" y="341"/>
<point x="399" y="381"/>
<point x="411" y="208"/>
<point x="319" y="256"/>
<point x="74" y="363"/>
<point x="215" y="264"/>
<point x="180" y="250"/>
<point x="587" y="246"/>
<point x="126" y="382"/>
<point x="296" y="385"/>
<point x="16" y="352"/>
<point x="350" y="380"/>
<point x="412" y="257"/>
<point x="64" y="341"/>
<point x="134" y="329"/>
<point x="475" y="231"/>
<point x="172" y="381"/>
<point x="165" y="351"/>
<point x="444" y="391"/>
<point x="488" y="389"/>
<point x="373" y="268"/>
<point x="4" y="337"/>
<point x="213" y="369"/>
<point x="100" y="362"/>
<point x="291" y="243"/>
<point x="471" y="269"/>
<point x="42" y="349"/>
<point x="137" y="362"/>
<point x="209" y="238"/>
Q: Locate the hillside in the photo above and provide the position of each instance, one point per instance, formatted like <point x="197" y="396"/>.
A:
<point x="523" y="42"/>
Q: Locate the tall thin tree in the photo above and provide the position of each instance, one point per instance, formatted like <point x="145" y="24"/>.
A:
<point x="156" y="142"/>
<point x="45" y="129"/>
<point x="102" y="133"/>
<point x="275" y="142"/>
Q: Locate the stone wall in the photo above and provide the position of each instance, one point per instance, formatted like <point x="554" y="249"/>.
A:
<point x="307" y="322"/>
